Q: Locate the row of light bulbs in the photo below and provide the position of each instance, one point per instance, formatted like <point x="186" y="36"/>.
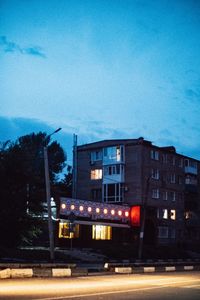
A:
<point x="97" y="210"/>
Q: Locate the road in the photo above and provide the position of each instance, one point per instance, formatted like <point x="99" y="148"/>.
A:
<point x="162" y="286"/>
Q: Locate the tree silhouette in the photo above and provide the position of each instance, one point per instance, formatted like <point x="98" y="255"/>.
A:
<point x="22" y="190"/>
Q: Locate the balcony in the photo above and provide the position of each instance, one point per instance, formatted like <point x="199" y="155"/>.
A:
<point x="192" y="181"/>
<point x="191" y="170"/>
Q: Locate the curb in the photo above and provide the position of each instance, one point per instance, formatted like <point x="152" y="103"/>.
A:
<point x="62" y="270"/>
<point x="159" y="269"/>
<point x="42" y="272"/>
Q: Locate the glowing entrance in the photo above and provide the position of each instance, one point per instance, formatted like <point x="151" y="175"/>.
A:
<point x="101" y="232"/>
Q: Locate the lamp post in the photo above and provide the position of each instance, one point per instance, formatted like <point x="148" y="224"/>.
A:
<point x="48" y="197"/>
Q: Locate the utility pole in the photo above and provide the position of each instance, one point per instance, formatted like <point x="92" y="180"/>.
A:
<point x="143" y="219"/>
<point x="48" y="197"/>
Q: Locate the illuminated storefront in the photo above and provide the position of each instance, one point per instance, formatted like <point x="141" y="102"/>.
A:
<point x="95" y="221"/>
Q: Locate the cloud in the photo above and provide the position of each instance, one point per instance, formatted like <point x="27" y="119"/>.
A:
<point x="13" y="128"/>
<point x="12" y="47"/>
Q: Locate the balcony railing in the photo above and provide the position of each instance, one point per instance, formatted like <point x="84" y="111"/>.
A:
<point x="191" y="170"/>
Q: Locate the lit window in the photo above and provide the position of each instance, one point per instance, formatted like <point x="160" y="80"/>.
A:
<point x="100" y="232"/>
<point x="118" y="153"/>
<point x="173" y="214"/>
<point x="165" y="213"/>
<point x="63" y="205"/>
<point x="188" y="215"/>
<point x="72" y="207"/>
<point x="81" y="208"/>
<point x="68" y="231"/>
<point x="162" y="213"/>
<point x="96" y="174"/>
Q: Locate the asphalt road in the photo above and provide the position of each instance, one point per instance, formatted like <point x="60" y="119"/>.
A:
<point x="162" y="286"/>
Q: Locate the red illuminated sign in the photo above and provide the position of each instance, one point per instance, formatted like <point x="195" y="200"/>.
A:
<point x="135" y="215"/>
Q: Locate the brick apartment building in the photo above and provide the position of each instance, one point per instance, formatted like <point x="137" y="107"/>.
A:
<point x="129" y="173"/>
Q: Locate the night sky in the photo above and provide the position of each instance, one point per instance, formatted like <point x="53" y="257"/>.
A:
<point x="101" y="69"/>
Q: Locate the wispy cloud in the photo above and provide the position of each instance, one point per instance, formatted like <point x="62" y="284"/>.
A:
<point x="9" y="46"/>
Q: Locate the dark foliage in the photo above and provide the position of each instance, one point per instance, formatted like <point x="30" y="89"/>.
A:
<point x="22" y="190"/>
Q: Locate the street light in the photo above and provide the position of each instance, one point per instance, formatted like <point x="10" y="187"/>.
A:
<point x="48" y="197"/>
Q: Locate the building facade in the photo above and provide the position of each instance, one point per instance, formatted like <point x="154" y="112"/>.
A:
<point x="136" y="173"/>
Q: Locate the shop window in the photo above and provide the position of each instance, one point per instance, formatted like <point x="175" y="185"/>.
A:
<point x="68" y="230"/>
<point x="101" y="232"/>
<point x="96" y="174"/>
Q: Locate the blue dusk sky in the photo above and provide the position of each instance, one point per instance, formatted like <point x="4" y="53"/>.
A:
<point x="101" y="69"/>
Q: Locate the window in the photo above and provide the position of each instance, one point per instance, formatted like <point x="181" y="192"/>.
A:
<point x="154" y="154"/>
<point x="96" y="155"/>
<point x="68" y="230"/>
<point x="96" y="194"/>
<point x="165" y="195"/>
<point x="173" y="233"/>
<point x="100" y="232"/>
<point x="180" y="179"/>
<point x="155" y="173"/>
<point x="113" y="192"/>
<point x="180" y="162"/>
<point x="163" y="232"/>
<point x="96" y="174"/>
<point x="111" y="170"/>
<point x="162" y="213"/>
<point x="173" y="214"/>
<point x="190" y="163"/>
<point x="164" y="158"/>
<point x="172" y="178"/>
<point x="155" y="193"/>
<point x="172" y="196"/>
<point x="113" y="154"/>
